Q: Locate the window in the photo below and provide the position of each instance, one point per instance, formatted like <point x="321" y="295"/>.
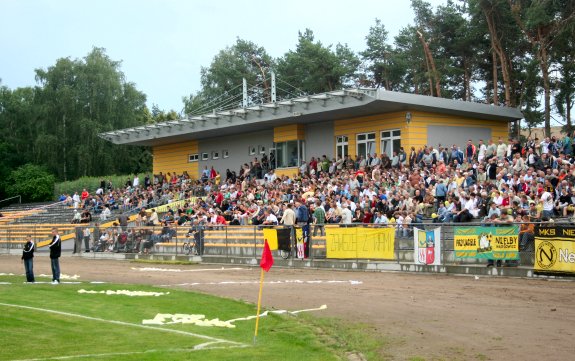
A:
<point x="225" y="153"/>
<point x="215" y="155"/>
<point x="205" y="156"/>
<point x="289" y="154"/>
<point x="251" y="150"/>
<point x="390" y="141"/>
<point x="193" y="158"/>
<point x="262" y="149"/>
<point x="341" y="146"/>
<point x="365" y="144"/>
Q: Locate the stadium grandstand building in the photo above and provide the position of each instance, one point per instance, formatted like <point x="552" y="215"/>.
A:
<point x="337" y="123"/>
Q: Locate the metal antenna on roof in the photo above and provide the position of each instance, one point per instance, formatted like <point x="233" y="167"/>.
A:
<point x="245" y="93"/>
<point x="273" y="87"/>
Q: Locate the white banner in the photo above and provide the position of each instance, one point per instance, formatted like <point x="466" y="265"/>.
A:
<point x="427" y="246"/>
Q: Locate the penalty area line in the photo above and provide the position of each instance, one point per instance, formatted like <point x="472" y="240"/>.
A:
<point x="97" y="355"/>
<point x="168" y="330"/>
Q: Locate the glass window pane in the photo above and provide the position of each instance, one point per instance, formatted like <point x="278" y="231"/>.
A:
<point x="292" y="153"/>
<point x="385" y="134"/>
<point x="371" y="136"/>
<point x="396" y="145"/>
<point x="396" y="133"/>
<point x="361" y="137"/>
<point x="361" y="149"/>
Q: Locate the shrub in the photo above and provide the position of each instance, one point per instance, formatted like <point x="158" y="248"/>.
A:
<point x="32" y="182"/>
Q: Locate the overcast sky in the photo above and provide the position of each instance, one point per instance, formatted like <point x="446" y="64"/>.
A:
<point x="163" y="44"/>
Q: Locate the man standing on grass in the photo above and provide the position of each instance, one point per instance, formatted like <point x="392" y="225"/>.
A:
<point x="55" y="251"/>
<point x="28" y="259"/>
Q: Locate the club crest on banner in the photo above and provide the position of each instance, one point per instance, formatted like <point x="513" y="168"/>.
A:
<point x="427" y="247"/>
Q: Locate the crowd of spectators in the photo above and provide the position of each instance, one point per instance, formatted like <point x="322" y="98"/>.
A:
<point x="484" y="182"/>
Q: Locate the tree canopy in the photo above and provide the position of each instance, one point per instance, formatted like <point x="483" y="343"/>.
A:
<point x="518" y="53"/>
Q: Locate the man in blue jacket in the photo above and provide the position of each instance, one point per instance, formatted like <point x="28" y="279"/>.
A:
<point x="55" y="252"/>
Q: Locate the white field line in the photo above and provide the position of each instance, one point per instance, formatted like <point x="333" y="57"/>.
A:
<point x="200" y="347"/>
<point x="155" y="269"/>
<point x="168" y="330"/>
<point x="351" y="282"/>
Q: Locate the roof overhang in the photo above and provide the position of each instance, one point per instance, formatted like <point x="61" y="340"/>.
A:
<point x="335" y="105"/>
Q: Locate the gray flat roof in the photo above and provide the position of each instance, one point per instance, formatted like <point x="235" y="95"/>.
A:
<point x="335" y="105"/>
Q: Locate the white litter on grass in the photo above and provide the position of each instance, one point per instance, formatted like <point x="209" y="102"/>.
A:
<point x="351" y="282"/>
<point x="212" y="340"/>
<point x="62" y="276"/>
<point x="7" y="274"/>
<point x="279" y="312"/>
<point x="155" y="269"/>
<point x="126" y="293"/>
<point x="5" y="283"/>
<point x="200" y="320"/>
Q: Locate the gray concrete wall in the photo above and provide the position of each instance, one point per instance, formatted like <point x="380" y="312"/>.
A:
<point x="237" y="147"/>
<point x="319" y="140"/>
<point x="447" y="136"/>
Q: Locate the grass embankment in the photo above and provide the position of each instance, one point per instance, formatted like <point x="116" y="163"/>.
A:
<point x="109" y="327"/>
<point x="92" y="183"/>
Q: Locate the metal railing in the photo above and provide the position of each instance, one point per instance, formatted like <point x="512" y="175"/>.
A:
<point x="225" y="240"/>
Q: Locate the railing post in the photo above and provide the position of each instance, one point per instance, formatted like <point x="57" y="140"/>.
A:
<point x="226" y="242"/>
<point x="255" y="242"/>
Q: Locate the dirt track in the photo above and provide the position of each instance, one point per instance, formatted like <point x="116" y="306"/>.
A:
<point x="430" y="316"/>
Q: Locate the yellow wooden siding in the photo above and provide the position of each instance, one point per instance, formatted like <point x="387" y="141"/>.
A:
<point x="412" y="134"/>
<point x="289" y="132"/>
<point x="370" y="124"/>
<point x="174" y="158"/>
<point x="291" y="172"/>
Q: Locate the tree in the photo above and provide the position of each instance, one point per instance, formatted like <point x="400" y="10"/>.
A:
<point x="315" y="68"/>
<point x="378" y="56"/>
<point x="541" y="22"/>
<point x="32" y="182"/>
<point x="222" y="80"/>
<point x="77" y="99"/>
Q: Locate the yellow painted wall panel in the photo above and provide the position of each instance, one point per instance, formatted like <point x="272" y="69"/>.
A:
<point x="174" y="158"/>
<point x="289" y="132"/>
<point x="412" y="134"/>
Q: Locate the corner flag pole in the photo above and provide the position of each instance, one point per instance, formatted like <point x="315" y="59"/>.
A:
<point x="259" y="304"/>
<point x="266" y="263"/>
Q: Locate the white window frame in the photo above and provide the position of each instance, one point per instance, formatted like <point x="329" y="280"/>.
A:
<point x="367" y="138"/>
<point x="193" y="157"/>
<point x="205" y="156"/>
<point x="215" y="154"/>
<point x="252" y="150"/>
<point x="390" y="137"/>
<point x="342" y="143"/>
<point x="225" y="153"/>
<point x="262" y="149"/>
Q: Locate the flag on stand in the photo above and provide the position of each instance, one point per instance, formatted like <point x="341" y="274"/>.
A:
<point x="267" y="259"/>
<point x="266" y="263"/>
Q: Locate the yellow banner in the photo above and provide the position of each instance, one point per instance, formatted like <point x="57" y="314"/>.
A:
<point x="555" y="249"/>
<point x="368" y="243"/>
<point x="271" y="234"/>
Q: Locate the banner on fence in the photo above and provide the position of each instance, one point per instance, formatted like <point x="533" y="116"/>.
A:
<point x="359" y="242"/>
<point x="427" y="246"/>
<point x="499" y="243"/>
<point x="555" y="249"/>
<point x="271" y="234"/>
